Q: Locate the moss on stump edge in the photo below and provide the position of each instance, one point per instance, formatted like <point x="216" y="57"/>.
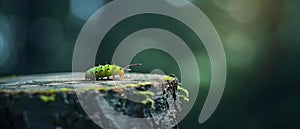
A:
<point x="51" y="101"/>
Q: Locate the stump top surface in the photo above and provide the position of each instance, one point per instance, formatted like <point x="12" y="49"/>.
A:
<point x="70" y="80"/>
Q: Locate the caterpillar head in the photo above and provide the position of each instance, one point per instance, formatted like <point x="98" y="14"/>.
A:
<point x="126" y="68"/>
<point x="118" y="70"/>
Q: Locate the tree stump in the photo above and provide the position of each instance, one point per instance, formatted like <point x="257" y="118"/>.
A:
<point x="50" y="101"/>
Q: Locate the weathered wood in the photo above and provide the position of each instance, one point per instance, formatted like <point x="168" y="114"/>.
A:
<point x="49" y="101"/>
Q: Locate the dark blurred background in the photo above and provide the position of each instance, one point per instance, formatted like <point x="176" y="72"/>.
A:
<point x="260" y="38"/>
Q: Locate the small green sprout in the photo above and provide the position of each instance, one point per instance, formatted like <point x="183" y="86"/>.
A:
<point x="184" y="98"/>
<point x="183" y="90"/>
<point x="146" y="93"/>
<point x="148" y="100"/>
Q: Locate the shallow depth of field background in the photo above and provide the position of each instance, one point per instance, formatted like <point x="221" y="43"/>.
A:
<point x="260" y="38"/>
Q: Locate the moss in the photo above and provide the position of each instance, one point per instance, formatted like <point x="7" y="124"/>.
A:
<point x="145" y="84"/>
<point x="65" y="89"/>
<point x="46" y="99"/>
<point x="169" y="78"/>
<point x="102" y="88"/>
<point x="52" y="90"/>
<point x="131" y="85"/>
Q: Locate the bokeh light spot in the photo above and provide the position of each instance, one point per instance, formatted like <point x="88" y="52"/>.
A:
<point x="157" y="71"/>
<point x="5" y="40"/>
<point x="179" y="3"/>
<point x="241" y="50"/>
<point x="4" y="51"/>
<point x="85" y="8"/>
<point x="243" y="11"/>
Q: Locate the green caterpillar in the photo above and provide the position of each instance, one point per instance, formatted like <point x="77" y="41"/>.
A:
<point x="101" y="71"/>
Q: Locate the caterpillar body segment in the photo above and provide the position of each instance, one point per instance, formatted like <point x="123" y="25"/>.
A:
<point x="90" y="74"/>
<point x="101" y="71"/>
